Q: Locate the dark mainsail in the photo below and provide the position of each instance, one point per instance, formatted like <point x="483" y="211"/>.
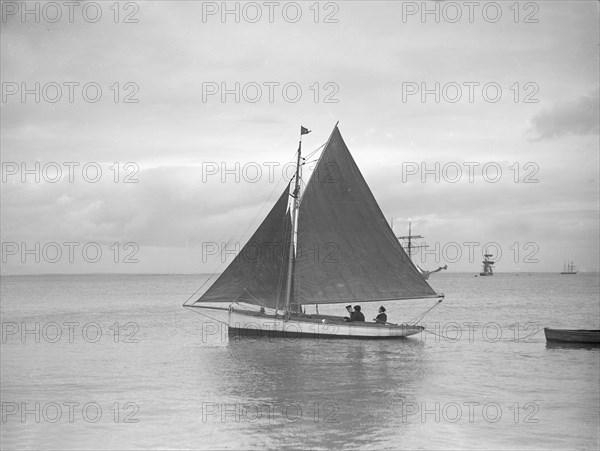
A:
<point x="346" y="251"/>
<point x="257" y="274"/>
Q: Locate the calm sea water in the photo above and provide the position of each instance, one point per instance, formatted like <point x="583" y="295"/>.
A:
<point x="115" y="362"/>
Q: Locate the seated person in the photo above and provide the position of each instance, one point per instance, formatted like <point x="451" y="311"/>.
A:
<point x="349" y="309"/>
<point x="357" y="315"/>
<point x="381" y="317"/>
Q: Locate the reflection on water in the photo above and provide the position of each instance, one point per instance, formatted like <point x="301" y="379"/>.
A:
<point x="561" y="345"/>
<point x="331" y="390"/>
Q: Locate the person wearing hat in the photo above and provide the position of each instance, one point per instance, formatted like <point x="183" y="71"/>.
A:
<point x="349" y="309"/>
<point x="381" y="317"/>
<point x="357" y="315"/>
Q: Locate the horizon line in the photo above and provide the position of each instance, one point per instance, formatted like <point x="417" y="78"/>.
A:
<point x="213" y="274"/>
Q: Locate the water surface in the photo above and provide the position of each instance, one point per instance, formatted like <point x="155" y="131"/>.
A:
<point x="167" y="377"/>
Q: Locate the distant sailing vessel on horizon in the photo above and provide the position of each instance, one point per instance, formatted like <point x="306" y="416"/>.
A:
<point x="487" y="266"/>
<point x="569" y="268"/>
<point x="332" y="245"/>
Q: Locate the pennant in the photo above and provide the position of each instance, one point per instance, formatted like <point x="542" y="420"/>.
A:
<point x="304" y="131"/>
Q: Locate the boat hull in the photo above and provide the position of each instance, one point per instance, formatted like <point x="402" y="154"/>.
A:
<point x="572" y="336"/>
<point x="250" y="323"/>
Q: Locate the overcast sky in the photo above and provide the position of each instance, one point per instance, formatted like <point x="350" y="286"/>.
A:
<point x="517" y="92"/>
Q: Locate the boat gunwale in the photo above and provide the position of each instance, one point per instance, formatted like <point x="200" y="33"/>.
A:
<point x="572" y="330"/>
<point x="236" y="331"/>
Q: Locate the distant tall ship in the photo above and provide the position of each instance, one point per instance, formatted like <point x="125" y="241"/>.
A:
<point x="569" y="268"/>
<point x="487" y="266"/>
<point x="409" y="246"/>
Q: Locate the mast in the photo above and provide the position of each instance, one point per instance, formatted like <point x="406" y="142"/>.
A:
<point x="410" y="237"/>
<point x="409" y="240"/>
<point x="487" y="265"/>
<point x="294" y="231"/>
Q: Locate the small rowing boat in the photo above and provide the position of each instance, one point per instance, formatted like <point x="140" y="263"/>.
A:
<point x="572" y="335"/>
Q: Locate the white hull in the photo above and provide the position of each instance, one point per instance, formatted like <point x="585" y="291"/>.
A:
<point x="322" y="326"/>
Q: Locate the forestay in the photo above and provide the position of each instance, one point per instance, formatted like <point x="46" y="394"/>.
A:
<point x="257" y="274"/>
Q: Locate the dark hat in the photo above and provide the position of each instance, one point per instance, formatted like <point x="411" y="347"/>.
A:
<point x="382" y="308"/>
<point x="348" y="306"/>
<point x="357" y="308"/>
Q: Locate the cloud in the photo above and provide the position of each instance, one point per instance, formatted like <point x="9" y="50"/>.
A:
<point x="579" y="117"/>
<point x="170" y="206"/>
<point x="174" y="135"/>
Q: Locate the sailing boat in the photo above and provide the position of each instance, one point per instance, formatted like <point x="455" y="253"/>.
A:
<point x="487" y="266"/>
<point x="569" y="268"/>
<point x="332" y="246"/>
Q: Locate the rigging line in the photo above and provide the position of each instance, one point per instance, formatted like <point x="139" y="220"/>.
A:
<point x="256" y="299"/>
<point x="266" y="202"/>
<point x="219" y="269"/>
<point x="420" y="317"/>
<point x="196" y="292"/>
<point x="315" y="151"/>
<point x="320" y="156"/>
<point x="205" y="282"/>
<point x="208" y="316"/>
<point x="303" y="184"/>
